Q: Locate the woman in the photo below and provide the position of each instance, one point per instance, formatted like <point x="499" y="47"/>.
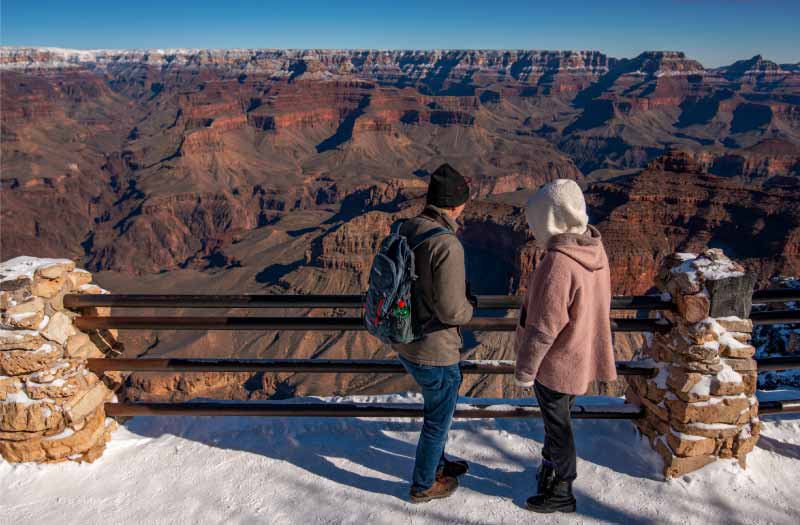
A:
<point x="563" y="340"/>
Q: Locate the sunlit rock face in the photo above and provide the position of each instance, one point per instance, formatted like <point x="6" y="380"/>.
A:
<point x="51" y="405"/>
<point x="278" y="171"/>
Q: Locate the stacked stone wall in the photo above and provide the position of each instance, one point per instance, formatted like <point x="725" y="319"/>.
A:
<point x="51" y="405"/>
<point x="701" y="406"/>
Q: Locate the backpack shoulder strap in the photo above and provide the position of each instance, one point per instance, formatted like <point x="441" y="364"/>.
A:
<point x="395" y="229"/>
<point x="430" y="234"/>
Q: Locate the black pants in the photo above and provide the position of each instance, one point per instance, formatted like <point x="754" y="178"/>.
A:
<point x="559" y="443"/>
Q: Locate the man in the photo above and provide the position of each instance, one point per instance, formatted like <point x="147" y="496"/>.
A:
<point x="440" y="305"/>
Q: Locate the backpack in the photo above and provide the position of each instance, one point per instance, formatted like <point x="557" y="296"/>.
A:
<point x="387" y="308"/>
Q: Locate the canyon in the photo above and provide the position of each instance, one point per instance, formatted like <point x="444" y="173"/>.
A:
<point x="279" y="171"/>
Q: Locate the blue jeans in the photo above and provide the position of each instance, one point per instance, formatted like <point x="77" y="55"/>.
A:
<point x="439" y="386"/>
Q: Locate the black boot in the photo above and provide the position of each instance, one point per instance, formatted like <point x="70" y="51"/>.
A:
<point x="454" y="469"/>
<point x="545" y="477"/>
<point x="558" y="499"/>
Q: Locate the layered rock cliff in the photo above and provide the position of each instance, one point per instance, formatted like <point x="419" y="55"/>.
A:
<point x="279" y="171"/>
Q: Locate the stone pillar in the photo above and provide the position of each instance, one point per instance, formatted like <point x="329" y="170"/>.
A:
<point x="701" y="406"/>
<point x="51" y="406"/>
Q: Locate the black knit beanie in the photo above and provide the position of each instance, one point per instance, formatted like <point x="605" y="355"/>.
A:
<point x="447" y="188"/>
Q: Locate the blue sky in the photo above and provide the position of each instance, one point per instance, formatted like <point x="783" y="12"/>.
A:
<point x="716" y="32"/>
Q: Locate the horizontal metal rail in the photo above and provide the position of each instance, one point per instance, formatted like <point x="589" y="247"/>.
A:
<point x="776" y="295"/>
<point x="631" y="302"/>
<point x="327" y="409"/>
<point x="486" y="302"/>
<point x="778" y="363"/>
<point x="340" y="366"/>
<point x="386" y="410"/>
<point x="484" y="324"/>
<point x="776" y="317"/>
<point x="356" y="366"/>
<point x="791" y="406"/>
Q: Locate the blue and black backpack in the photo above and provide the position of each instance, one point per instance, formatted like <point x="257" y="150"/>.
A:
<point x="387" y="309"/>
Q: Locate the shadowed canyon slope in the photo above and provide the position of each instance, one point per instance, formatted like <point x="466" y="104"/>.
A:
<point x="274" y="171"/>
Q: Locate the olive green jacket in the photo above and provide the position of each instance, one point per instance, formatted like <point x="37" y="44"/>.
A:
<point x="439" y="295"/>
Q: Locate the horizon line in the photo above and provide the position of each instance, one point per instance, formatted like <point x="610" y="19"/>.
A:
<point x="362" y="49"/>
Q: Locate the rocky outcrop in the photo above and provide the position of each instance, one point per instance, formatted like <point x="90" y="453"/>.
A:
<point x="701" y="406"/>
<point x="277" y="171"/>
<point x="51" y="406"/>
<point x="756" y="68"/>
<point x="675" y="205"/>
<point x="108" y="137"/>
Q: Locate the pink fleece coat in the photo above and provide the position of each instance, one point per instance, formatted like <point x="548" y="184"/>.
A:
<point x="564" y="333"/>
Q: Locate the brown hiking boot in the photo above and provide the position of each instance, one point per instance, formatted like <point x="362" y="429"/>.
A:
<point x="443" y="486"/>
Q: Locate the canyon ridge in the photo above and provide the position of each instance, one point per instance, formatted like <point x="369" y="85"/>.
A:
<point x="279" y="171"/>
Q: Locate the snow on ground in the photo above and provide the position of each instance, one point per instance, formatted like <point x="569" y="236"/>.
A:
<point x="313" y="470"/>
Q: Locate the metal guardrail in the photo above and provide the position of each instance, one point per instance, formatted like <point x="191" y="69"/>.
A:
<point x="485" y="324"/>
<point x="338" y="366"/>
<point x="371" y="410"/>
<point x="776" y="317"/>
<point x="391" y="410"/>
<point x="791" y="406"/>
<point x="776" y="295"/>
<point x="358" y="366"/>
<point x="485" y="302"/>
<point x="499" y="302"/>
<point x="778" y="363"/>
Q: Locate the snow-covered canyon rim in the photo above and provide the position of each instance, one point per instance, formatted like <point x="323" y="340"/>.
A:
<point x="312" y="470"/>
<point x="14" y="57"/>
